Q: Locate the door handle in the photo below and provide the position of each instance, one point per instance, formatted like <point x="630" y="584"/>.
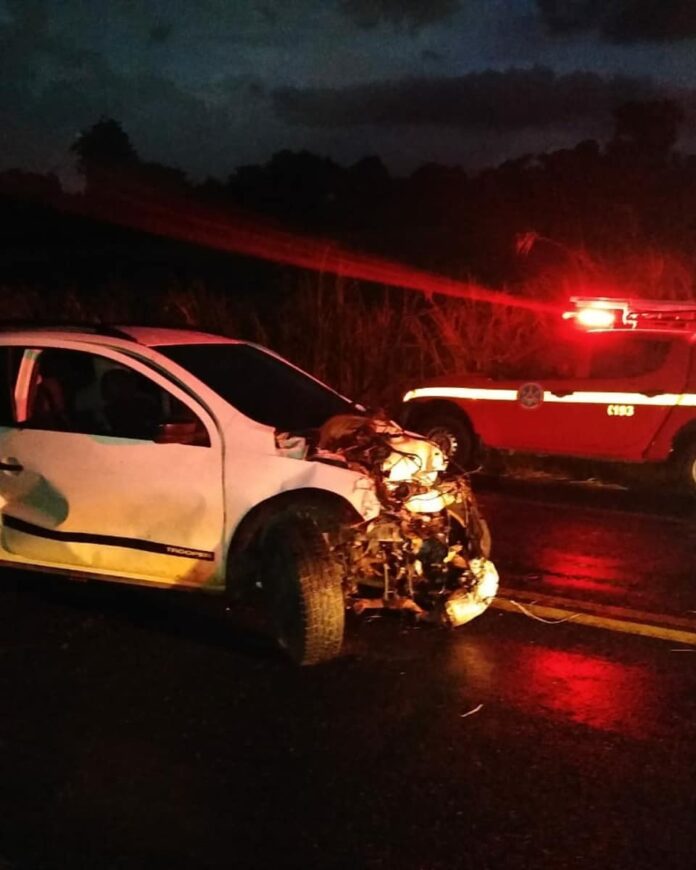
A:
<point x="11" y="465"/>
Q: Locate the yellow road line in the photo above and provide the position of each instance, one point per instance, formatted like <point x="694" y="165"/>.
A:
<point x="597" y="616"/>
<point x="574" y="604"/>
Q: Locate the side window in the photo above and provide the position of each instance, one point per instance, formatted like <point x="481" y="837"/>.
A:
<point x="73" y="391"/>
<point x="627" y="356"/>
<point x="9" y="366"/>
<point x="556" y="360"/>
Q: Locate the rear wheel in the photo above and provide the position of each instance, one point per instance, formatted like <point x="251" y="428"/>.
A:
<point x="686" y="468"/>
<point x="453" y="436"/>
<point x="302" y="585"/>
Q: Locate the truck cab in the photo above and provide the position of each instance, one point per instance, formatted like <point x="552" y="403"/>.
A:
<point x="617" y="383"/>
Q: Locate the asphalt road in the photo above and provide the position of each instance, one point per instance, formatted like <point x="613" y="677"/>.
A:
<point x="611" y="546"/>
<point x="142" y="730"/>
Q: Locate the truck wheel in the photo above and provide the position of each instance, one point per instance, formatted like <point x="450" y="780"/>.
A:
<point x="452" y="435"/>
<point x="686" y="468"/>
<point x="303" y="591"/>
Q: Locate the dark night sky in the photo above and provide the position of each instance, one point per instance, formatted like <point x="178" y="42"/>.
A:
<point x="209" y="84"/>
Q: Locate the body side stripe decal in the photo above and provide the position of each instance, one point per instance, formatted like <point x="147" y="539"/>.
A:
<point x="579" y="397"/>
<point x="462" y="393"/>
<point x="18" y="525"/>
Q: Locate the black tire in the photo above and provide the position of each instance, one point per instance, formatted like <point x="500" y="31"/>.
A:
<point x="686" y="468"/>
<point x="453" y="435"/>
<point x="302" y="584"/>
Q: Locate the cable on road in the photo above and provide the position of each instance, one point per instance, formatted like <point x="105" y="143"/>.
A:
<point x="531" y="615"/>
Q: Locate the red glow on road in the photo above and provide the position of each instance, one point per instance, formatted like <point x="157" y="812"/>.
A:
<point x="585" y="689"/>
<point x="589" y="690"/>
<point x="585" y="572"/>
<point x="579" y="584"/>
<point x="242" y="234"/>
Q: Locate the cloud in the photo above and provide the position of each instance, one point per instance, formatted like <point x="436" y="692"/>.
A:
<point x="622" y="21"/>
<point x="492" y="100"/>
<point x="160" y="32"/>
<point x="51" y="89"/>
<point x="429" y="55"/>
<point x="410" y="14"/>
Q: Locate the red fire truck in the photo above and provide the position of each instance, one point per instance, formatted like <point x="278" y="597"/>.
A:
<point x="619" y="385"/>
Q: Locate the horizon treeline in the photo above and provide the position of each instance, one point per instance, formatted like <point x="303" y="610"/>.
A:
<point x="616" y="218"/>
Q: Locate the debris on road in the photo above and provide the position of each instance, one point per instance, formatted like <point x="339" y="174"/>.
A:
<point x="471" y="712"/>
<point x="528" y="612"/>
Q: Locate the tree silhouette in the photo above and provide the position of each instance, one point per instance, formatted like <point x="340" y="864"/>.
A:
<point x="104" y="152"/>
<point x="647" y="130"/>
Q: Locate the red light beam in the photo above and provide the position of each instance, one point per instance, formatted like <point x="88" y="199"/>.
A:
<point x="240" y="234"/>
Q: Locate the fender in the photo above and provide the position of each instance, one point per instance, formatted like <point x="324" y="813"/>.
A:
<point x="330" y="512"/>
<point x="677" y="430"/>
<point x="686" y="434"/>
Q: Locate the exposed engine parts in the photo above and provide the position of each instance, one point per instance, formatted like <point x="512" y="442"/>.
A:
<point x="427" y="551"/>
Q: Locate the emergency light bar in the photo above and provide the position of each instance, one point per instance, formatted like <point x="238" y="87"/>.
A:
<point x="601" y="312"/>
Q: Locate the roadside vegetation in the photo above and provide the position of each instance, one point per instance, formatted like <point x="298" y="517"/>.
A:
<point x="612" y="218"/>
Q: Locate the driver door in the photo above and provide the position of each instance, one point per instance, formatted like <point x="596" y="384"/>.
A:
<point x="107" y="467"/>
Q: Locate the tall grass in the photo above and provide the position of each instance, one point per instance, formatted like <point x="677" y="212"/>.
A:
<point x="371" y="343"/>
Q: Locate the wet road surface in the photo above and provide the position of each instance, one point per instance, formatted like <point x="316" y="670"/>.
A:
<point x="613" y="547"/>
<point x="142" y="730"/>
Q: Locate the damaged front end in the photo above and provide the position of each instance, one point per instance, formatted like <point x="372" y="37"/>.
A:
<point x="427" y="550"/>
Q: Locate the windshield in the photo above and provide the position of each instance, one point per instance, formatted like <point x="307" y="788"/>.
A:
<point x="259" y="385"/>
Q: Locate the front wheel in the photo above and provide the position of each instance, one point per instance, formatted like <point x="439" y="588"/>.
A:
<point x="303" y="591"/>
<point x="453" y="436"/>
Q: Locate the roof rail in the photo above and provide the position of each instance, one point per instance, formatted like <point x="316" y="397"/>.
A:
<point x="92" y="328"/>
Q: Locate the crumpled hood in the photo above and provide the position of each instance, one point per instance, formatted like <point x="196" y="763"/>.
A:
<point x="404" y="466"/>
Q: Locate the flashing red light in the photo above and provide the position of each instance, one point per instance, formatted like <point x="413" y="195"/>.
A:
<point x="596" y="318"/>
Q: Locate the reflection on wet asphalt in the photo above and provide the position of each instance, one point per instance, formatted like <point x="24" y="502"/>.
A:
<point x="565" y="686"/>
<point x="604" y="554"/>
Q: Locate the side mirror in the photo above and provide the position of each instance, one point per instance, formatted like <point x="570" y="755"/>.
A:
<point x="191" y="432"/>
